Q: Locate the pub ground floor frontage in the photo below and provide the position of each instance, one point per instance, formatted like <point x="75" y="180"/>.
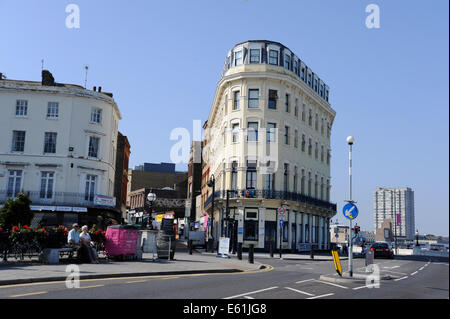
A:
<point x="303" y="226"/>
<point x="50" y="217"/>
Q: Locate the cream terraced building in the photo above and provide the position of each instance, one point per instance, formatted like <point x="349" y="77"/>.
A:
<point x="59" y="146"/>
<point x="267" y="138"/>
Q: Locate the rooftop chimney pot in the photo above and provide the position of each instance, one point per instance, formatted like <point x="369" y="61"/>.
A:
<point x="47" y="78"/>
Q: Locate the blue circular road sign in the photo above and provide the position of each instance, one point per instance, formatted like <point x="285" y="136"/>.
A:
<point x="350" y="211"/>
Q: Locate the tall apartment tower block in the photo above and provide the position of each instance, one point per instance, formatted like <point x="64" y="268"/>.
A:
<point x="396" y="204"/>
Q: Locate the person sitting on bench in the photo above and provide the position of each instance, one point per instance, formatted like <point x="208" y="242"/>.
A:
<point x="86" y="244"/>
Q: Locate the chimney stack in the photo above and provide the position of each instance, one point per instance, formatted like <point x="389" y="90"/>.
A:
<point x="95" y="89"/>
<point x="47" y="78"/>
<point x="100" y="89"/>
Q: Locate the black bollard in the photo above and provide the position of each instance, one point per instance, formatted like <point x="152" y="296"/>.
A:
<point x="250" y="253"/>
<point x="312" y="251"/>
<point x="271" y="249"/>
<point x="190" y="247"/>
<point x="239" y="251"/>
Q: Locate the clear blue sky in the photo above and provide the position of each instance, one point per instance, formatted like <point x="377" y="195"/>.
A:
<point x="163" y="59"/>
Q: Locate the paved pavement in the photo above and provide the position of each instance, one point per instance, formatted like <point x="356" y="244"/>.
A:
<point x="15" y="273"/>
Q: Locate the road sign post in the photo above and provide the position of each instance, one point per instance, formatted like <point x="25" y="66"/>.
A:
<point x="281" y="236"/>
<point x="350" y="210"/>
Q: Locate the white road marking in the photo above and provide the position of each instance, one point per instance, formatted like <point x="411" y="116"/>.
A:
<point x="299" y="282"/>
<point x="251" y="292"/>
<point x="396" y="272"/>
<point x="421" y="268"/>
<point x="360" y="287"/>
<point x="136" y="281"/>
<point x="299" y="291"/>
<point x="414" y="273"/>
<point x="321" y="296"/>
<point x="248" y="297"/>
<point x="401" y="278"/>
<point x="329" y="283"/>
<point x="393" y="267"/>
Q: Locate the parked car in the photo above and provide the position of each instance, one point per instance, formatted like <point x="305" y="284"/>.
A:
<point x="382" y="249"/>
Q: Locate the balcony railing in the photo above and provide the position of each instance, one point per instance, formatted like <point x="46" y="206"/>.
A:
<point x="57" y="198"/>
<point x="271" y="194"/>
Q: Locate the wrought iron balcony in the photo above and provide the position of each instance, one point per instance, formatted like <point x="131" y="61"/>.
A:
<point x="271" y="194"/>
<point x="55" y="198"/>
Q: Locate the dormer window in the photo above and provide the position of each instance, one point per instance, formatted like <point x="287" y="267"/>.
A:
<point x="238" y="58"/>
<point x="287" y="61"/>
<point x="273" y="57"/>
<point x="254" y="55"/>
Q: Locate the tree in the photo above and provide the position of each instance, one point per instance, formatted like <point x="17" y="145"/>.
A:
<point x="16" y="212"/>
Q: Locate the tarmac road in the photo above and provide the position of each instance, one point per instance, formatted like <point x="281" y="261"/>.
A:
<point x="284" y="279"/>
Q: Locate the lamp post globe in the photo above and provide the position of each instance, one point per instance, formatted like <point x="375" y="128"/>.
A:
<point x="151" y="197"/>
<point x="350" y="140"/>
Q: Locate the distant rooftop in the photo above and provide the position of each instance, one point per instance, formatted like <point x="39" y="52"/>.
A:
<point x="152" y="167"/>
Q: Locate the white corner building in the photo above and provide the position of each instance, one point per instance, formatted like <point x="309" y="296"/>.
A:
<point x="267" y="138"/>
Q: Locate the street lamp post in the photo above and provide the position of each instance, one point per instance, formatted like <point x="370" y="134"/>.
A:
<point x="350" y="141"/>
<point x="395" y="222"/>
<point x="229" y="231"/>
<point x="151" y="197"/>
<point x="212" y="183"/>
<point x="417" y="238"/>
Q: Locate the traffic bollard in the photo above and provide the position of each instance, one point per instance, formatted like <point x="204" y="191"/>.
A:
<point x="250" y="253"/>
<point x="271" y="249"/>
<point x="190" y="247"/>
<point x="312" y="251"/>
<point x="239" y="251"/>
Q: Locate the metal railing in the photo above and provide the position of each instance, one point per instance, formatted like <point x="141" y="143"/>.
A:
<point x="54" y="198"/>
<point x="271" y="194"/>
